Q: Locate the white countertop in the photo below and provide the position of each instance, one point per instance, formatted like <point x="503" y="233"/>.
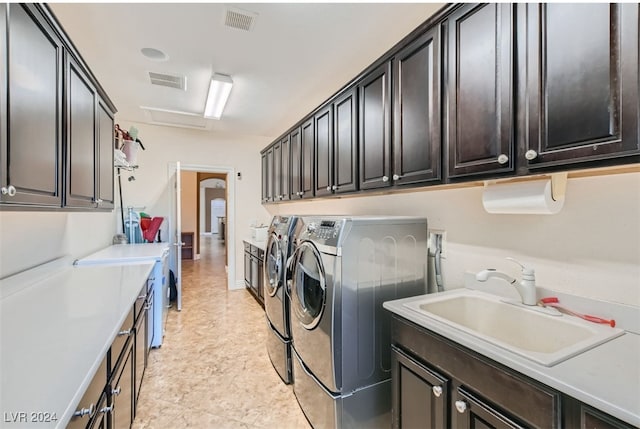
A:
<point x="259" y="244"/>
<point x="126" y="253"/>
<point x="606" y="377"/>
<point x="55" y="331"/>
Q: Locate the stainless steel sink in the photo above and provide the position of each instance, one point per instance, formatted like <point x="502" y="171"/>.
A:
<point x="543" y="338"/>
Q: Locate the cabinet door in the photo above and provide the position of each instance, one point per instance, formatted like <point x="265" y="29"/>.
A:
<point x="277" y="171"/>
<point x="307" y="135"/>
<point x="270" y="175"/>
<point x="582" y="87"/>
<point x="296" y="163"/>
<point x="324" y="151"/>
<point x="247" y="269"/>
<point x="416" y="107"/>
<point x="285" y="169"/>
<point x="480" y="86"/>
<point x="375" y="128"/>
<point x="345" y="144"/>
<point x="31" y="139"/>
<point x="80" y="138"/>
<point x="122" y="393"/>
<point x="105" y="157"/>
<point x="420" y="396"/>
<point x="265" y="178"/>
<point x="140" y="352"/>
<point x="472" y="412"/>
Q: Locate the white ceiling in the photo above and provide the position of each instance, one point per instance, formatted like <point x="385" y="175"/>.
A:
<point x="295" y="57"/>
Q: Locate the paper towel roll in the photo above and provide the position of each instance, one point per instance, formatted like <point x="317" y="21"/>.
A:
<point x="521" y="198"/>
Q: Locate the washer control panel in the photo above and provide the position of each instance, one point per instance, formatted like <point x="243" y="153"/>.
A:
<point x="324" y="231"/>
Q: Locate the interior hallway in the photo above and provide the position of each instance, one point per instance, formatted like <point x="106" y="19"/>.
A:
<point x="213" y="370"/>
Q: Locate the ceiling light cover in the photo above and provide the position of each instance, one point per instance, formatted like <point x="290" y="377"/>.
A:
<point x="154" y="54"/>
<point x="219" y="91"/>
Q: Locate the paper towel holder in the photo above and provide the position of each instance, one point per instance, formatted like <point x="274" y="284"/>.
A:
<point x="558" y="183"/>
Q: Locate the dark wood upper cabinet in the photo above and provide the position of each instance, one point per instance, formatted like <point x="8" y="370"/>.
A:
<point x="31" y="136"/>
<point x="416" y="120"/>
<point x="345" y="153"/>
<point x="265" y="178"/>
<point x="480" y="89"/>
<point x="277" y="171"/>
<point x="307" y="136"/>
<point x="105" y="157"/>
<point x="296" y="163"/>
<point x="81" y="139"/>
<point x="323" y="121"/>
<point x="374" y="128"/>
<point x="581" y="96"/>
<point x="270" y="175"/>
<point x="285" y="172"/>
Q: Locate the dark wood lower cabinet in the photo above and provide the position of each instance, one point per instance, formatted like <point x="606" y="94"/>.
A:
<point x="253" y="271"/>
<point x="437" y="383"/>
<point x="122" y="392"/>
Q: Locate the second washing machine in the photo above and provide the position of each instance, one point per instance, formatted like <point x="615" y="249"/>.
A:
<point x="342" y="270"/>
<point x="276" y="301"/>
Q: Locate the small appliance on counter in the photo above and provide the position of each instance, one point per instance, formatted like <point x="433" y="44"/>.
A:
<point x="259" y="233"/>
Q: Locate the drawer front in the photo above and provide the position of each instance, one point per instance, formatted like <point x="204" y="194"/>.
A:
<point x="87" y="408"/>
<point x="119" y="343"/>
<point x="533" y="402"/>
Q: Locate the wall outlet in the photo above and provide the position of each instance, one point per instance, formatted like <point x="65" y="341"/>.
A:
<point x="431" y="243"/>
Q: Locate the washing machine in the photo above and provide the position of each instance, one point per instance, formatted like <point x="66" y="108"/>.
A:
<point x="342" y="270"/>
<point x="276" y="301"/>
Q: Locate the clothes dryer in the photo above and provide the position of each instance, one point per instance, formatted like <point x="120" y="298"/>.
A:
<point x="342" y="270"/>
<point x="276" y="301"/>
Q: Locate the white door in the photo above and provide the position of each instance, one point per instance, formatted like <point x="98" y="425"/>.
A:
<point x="175" y="233"/>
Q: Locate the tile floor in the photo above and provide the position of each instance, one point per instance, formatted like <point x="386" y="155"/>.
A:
<point x="213" y="370"/>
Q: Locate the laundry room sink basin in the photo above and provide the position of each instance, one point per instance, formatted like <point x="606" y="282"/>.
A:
<point x="530" y="332"/>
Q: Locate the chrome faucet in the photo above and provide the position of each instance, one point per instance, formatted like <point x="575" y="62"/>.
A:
<point x="526" y="288"/>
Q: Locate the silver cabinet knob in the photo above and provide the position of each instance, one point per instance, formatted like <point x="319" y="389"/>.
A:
<point x="396" y="177"/>
<point x="8" y="190"/>
<point x="85" y="411"/>
<point x="125" y="332"/>
<point x="531" y="154"/>
<point x="105" y="410"/>
<point x="437" y="391"/>
<point x="461" y="406"/>
<point x="116" y="391"/>
<point x="503" y="159"/>
<point x="328" y="188"/>
<point x="334" y="188"/>
<point x="385" y="178"/>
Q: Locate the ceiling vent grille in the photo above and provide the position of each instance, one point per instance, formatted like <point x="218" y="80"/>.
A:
<point x="172" y="81"/>
<point x="240" y="19"/>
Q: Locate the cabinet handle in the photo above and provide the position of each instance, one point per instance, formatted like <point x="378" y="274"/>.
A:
<point x="461" y="406"/>
<point x="116" y="391"/>
<point x="531" y="154"/>
<point x="105" y="410"/>
<point x="437" y="391"/>
<point x="9" y="190"/>
<point x="334" y="188"/>
<point x="503" y="159"/>
<point x="385" y="178"/>
<point x="125" y="332"/>
<point x="396" y="177"/>
<point x="85" y="411"/>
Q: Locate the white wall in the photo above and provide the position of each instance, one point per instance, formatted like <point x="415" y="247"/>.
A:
<point x="192" y="147"/>
<point x="591" y="248"/>
<point x="28" y="239"/>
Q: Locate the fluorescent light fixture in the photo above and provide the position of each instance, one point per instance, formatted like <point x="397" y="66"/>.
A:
<point x="219" y="91"/>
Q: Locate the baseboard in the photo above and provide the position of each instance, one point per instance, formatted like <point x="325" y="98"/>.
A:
<point x="239" y="285"/>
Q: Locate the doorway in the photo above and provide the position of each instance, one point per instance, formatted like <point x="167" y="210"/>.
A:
<point x="192" y="176"/>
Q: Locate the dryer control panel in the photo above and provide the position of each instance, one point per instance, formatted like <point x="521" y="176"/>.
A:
<point x="324" y="231"/>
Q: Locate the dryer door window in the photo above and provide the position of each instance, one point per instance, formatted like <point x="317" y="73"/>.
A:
<point x="308" y="293"/>
<point x="273" y="266"/>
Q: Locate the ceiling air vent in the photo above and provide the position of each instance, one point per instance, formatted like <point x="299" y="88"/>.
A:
<point x="240" y="19"/>
<point x="170" y="80"/>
